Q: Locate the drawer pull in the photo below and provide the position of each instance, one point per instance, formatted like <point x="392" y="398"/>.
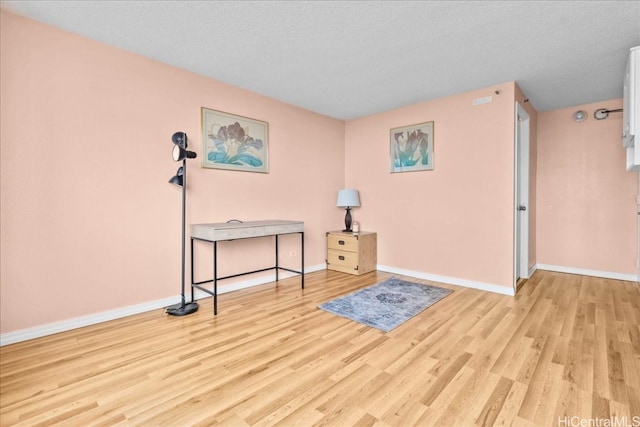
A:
<point x="341" y="242"/>
<point x="341" y="258"/>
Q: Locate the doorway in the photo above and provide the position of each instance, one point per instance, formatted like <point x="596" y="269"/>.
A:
<point x="521" y="205"/>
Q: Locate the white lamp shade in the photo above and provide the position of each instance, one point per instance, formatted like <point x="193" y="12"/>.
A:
<point x="348" y="198"/>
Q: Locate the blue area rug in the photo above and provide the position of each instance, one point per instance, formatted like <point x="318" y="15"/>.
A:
<point x="386" y="305"/>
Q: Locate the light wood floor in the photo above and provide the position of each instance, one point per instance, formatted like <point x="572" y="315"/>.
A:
<point x="566" y="346"/>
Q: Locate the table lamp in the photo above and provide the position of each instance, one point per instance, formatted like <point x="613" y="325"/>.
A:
<point x="348" y="198"/>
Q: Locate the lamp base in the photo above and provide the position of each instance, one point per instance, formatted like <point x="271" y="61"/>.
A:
<point x="183" y="309"/>
<point x="347" y="221"/>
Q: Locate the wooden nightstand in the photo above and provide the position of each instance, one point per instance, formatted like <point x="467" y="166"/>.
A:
<point x="352" y="254"/>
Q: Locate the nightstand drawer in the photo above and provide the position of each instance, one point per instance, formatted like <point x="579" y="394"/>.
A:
<point x="348" y="259"/>
<point x="343" y="242"/>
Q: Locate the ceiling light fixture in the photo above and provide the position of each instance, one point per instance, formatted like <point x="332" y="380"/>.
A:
<point x="580" y="116"/>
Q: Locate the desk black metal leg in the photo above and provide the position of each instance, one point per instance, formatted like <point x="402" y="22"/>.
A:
<point x="302" y="256"/>
<point x="191" y="269"/>
<point x="276" y="257"/>
<point x="215" y="278"/>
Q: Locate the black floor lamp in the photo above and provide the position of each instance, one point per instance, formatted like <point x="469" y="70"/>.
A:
<point x="180" y="179"/>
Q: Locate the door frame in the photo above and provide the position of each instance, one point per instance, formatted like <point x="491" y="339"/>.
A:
<point x="521" y="195"/>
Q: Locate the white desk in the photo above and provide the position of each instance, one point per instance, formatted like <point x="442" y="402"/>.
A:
<point x="226" y="231"/>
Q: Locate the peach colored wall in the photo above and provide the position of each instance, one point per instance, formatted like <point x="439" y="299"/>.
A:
<point x="586" y="199"/>
<point x="88" y="220"/>
<point x="456" y="220"/>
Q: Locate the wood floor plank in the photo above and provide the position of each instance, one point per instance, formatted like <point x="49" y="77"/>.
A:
<point x="494" y="403"/>
<point x="405" y="386"/>
<point x="444" y="377"/>
<point x="465" y="407"/>
<point x="601" y="358"/>
<point x="402" y="386"/>
<point x="564" y="346"/>
<point x="508" y="415"/>
<point x="538" y="380"/>
<point x="573" y="402"/>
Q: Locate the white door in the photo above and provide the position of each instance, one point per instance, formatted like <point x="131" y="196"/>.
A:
<point x="521" y="206"/>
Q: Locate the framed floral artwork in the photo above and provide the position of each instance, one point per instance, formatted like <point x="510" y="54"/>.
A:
<point x="412" y="148"/>
<point x="234" y="142"/>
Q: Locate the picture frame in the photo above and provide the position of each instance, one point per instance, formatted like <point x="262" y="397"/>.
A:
<point x="412" y="147"/>
<point x="234" y="142"/>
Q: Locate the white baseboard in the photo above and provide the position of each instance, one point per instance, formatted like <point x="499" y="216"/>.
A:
<point x="92" y="319"/>
<point x="587" y="272"/>
<point x="449" y="280"/>
<point x="79" y="322"/>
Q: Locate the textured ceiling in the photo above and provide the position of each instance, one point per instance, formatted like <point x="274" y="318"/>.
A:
<point x="348" y="59"/>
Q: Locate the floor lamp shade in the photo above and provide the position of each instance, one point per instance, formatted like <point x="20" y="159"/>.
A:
<point x="180" y="139"/>
<point x="177" y="179"/>
<point x="180" y="153"/>
<point x="348" y="198"/>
